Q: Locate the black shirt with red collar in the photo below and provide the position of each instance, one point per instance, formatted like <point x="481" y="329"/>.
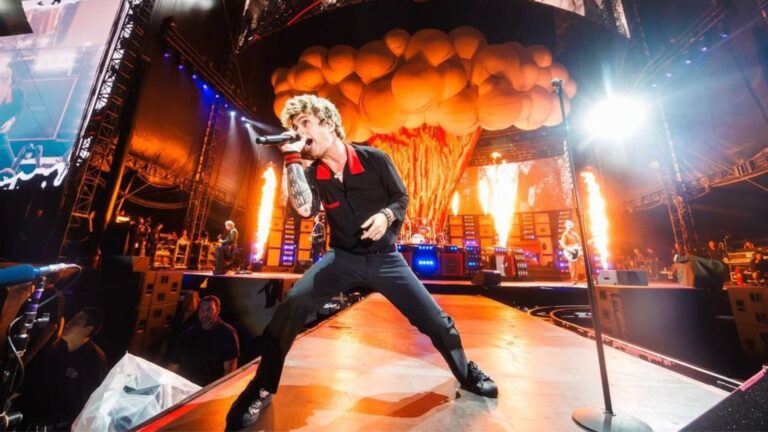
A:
<point x="371" y="183"/>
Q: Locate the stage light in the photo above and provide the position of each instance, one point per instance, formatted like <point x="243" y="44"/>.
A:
<point x="232" y="113"/>
<point x="181" y="67"/>
<point x="166" y="55"/>
<point x="194" y="76"/>
<point x="616" y="118"/>
<point x="243" y="118"/>
<point x="205" y="86"/>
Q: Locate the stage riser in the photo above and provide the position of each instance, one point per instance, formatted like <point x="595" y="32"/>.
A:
<point x="678" y="322"/>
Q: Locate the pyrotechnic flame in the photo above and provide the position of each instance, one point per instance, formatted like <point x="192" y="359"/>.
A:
<point x="598" y="218"/>
<point x="485" y="195"/>
<point x="502" y="182"/>
<point x="265" y="210"/>
<point x="455" y="203"/>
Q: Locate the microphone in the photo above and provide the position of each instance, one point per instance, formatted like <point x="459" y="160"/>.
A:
<point x="277" y="139"/>
<point x="55" y="268"/>
<point x="26" y="273"/>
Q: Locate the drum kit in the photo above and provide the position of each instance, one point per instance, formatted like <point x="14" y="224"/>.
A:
<point x="421" y="231"/>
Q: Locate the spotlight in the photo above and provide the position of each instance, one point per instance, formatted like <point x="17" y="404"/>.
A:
<point x="243" y="118"/>
<point x="194" y="76"/>
<point x="232" y="113"/>
<point x="217" y="96"/>
<point x="205" y="86"/>
<point x="181" y="67"/>
<point x="616" y="118"/>
<point x="166" y="55"/>
<point x="704" y="49"/>
<point x="687" y="61"/>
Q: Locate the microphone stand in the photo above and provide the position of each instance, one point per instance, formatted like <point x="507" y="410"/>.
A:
<point x="589" y="418"/>
<point x="17" y="346"/>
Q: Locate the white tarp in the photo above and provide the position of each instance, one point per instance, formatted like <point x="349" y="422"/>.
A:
<point x="133" y="391"/>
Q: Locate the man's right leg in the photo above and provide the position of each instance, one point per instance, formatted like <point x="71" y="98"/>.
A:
<point x="335" y="272"/>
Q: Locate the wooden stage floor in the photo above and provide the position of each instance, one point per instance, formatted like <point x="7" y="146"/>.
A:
<point x="368" y="369"/>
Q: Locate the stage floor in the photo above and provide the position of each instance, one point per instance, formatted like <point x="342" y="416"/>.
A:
<point x="439" y="282"/>
<point x="368" y="369"/>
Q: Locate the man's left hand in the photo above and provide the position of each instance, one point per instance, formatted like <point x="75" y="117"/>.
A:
<point x="375" y="227"/>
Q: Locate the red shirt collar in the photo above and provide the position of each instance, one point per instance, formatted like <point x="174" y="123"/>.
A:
<point x="355" y="167"/>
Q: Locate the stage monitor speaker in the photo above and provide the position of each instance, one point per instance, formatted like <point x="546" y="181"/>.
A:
<point x="623" y="277"/>
<point x="742" y="410"/>
<point x="607" y="277"/>
<point x="487" y="278"/>
<point x="701" y="272"/>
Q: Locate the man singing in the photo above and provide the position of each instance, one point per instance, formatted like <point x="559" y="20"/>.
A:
<point x="365" y="202"/>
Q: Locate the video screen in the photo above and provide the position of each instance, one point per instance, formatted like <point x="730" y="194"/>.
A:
<point x="46" y="79"/>
<point x="535" y="185"/>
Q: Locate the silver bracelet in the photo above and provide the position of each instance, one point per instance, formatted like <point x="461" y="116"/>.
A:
<point x="389" y="215"/>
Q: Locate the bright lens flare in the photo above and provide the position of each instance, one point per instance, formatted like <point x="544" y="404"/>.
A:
<point x="265" y="210"/>
<point x="502" y="183"/>
<point x="598" y="218"/>
<point x="485" y="195"/>
<point x="455" y="203"/>
<point x="616" y="118"/>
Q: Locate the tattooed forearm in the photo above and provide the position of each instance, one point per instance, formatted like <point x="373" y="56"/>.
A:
<point x="299" y="193"/>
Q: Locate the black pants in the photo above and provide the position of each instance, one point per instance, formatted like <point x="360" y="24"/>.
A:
<point x="338" y="271"/>
<point x="223" y="256"/>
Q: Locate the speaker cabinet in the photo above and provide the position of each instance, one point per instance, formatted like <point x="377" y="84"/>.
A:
<point x="451" y="264"/>
<point x="487" y="278"/>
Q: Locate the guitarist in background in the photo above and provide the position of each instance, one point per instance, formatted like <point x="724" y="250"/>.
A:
<point x="571" y="244"/>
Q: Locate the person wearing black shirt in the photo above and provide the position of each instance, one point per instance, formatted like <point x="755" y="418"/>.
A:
<point x="759" y="267"/>
<point x="365" y="203"/>
<point x="185" y="318"/>
<point x="317" y="238"/>
<point x="226" y="251"/>
<point x="208" y="350"/>
<point x="61" y="379"/>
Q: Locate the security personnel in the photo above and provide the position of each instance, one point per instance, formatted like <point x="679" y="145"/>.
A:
<point x="365" y="203"/>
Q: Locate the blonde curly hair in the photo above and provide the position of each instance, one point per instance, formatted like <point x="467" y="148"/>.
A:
<point x="321" y="108"/>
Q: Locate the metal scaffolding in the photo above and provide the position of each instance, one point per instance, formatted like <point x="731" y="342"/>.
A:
<point x="92" y="154"/>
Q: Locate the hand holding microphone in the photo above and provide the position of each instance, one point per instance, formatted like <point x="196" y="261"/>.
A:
<point x="288" y="141"/>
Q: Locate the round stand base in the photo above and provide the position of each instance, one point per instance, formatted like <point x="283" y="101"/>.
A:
<point x="595" y="419"/>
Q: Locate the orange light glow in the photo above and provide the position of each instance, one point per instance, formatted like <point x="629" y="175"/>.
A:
<point x="502" y="182"/>
<point x="265" y="210"/>
<point x="485" y="195"/>
<point x="455" y="203"/>
<point x="598" y="218"/>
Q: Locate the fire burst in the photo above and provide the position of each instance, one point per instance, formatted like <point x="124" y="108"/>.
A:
<point x="265" y="210"/>
<point x="598" y="219"/>
<point x="485" y="195"/>
<point x="501" y="184"/>
<point x="455" y="203"/>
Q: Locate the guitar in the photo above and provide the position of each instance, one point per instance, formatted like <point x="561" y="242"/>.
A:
<point x="572" y="253"/>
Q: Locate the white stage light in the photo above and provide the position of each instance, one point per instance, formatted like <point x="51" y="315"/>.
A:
<point x="616" y="118"/>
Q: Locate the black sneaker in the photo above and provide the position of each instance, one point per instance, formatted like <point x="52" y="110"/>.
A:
<point x="247" y="409"/>
<point x="479" y="383"/>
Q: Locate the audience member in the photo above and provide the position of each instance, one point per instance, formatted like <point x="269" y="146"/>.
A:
<point x="759" y="267"/>
<point x="208" y="350"/>
<point x="714" y="251"/>
<point x="185" y="319"/>
<point x="61" y="379"/>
